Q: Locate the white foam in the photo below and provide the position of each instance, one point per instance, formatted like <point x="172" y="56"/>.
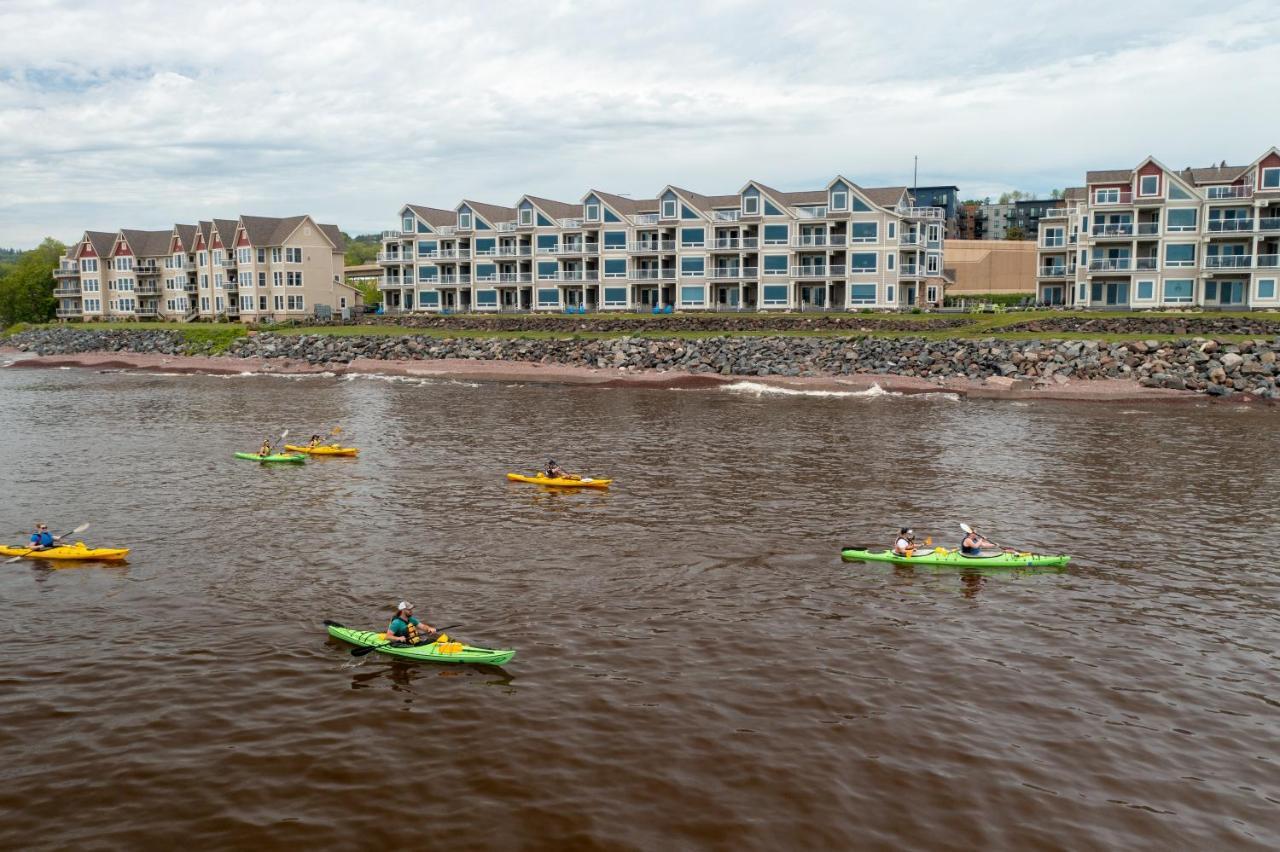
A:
<point x="759" y="389"/>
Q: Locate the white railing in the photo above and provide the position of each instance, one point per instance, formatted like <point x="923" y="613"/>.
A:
<point x="1216" y="193"/>
<point x="573" y="275"/>
<point x="1148" y="229"/>
<point x="654" y="274"/>
<point x="1146" y="264"/>
<point x="446" y="231"/>
<point x="506" y="227"/>
<point x="1268" y="261"/>
<point x="817" y="271"/>
<point x="726" y="215"/>
<point x="652" y="246"/>
<point x="66" y="272"/>
<point x="515" y="251"/>
<point x="393" y="235"/>
<point x="910" y="239"/>
<point x="1228" y="261"/>
<point x="1112" y="196"/>
<point x="922" y="212"/>
<point x="645" y="218"/>
<point x="66" y="291"/>
<point x="569" y="223"/>
<point x="811" y="212"/>
<point x="1053" y="271"/>
<point x="448" y="254"/>
<point x="1055" y="213"/>
<point x="1230" y="225"/>
<point x="547" y="249"/>
<point x="1110" y="264"/>
<point x="69" y="312"/>
<point x="1113" y="229"/>
<point x="1269" y="223"/>
<point x="727" y="243"/>
<point x="490" y="252"/>
<point x="395" y="257"/>
<point x="572" y="248"/>
<point x="814" y="240"/>
<point x="515" y="277"/>
<point x="454" y="280"/>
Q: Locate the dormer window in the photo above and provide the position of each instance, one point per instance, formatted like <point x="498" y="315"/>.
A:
<point x="408" y="225"/>
<point x="526" y="216"/>
<point x="1149" y="185"/>
<point x="593" y="212"/>
<point x="464" y="221"/>
<point x="668" y="208"/>
<point x="751" y="206"/>
<point x="839" y="200"/>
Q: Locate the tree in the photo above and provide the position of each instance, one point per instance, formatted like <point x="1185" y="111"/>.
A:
<point x="1055" y="194"/>
<point x="362" y="249"/>
<point x="26" y="290"/>
<point x="1015" y="233"/>
<point x="368" y="289"/>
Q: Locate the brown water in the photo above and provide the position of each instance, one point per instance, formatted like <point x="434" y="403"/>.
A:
<point x="696" y="668"/>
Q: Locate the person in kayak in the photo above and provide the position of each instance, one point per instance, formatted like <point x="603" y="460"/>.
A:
<point x="405" y="628"/>
<point x="41" y="538"/>
<point x="906" y="543"/>
<point x="266" y="447"/>
<point x="314" y="442"/>
<point x="973" y="544"/>
<point x="555" y="471"/>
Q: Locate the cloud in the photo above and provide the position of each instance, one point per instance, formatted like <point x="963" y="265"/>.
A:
<point x="147" y="113"/>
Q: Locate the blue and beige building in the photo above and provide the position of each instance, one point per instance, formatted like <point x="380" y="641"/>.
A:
<point x="841" y="247"/>
<point x="1155" y="237"/>
<point x="250" y="269"/>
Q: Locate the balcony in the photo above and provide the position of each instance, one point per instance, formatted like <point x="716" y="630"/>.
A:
<point x="654" y="274"/>
<point x="147" y="310"/>
<point x="645" y="218"/>
<point x="446" y="231"/>
<point x="1056" y="213"/>
<point x="227" y="263"/>
<point x="727" y="273"/>
<point x="911" y="239"/>
<point x="811" y="212"/>
<point x="907" y="270"/>
<point x="515" y="251"/>
<point x="1146" y="264"/>
<point x="1111" y="264"/>
<point x="394" y="235"/>
<point x="817" y="241"/>
<point x="66" y="272"/>
<point x="726" y="215"/>
<point x="1230" y="226"/>
<point x="506" y="227"/>
<point x="1228" y="261"/>
<point x="515" y="277"/>
<point x="1112" y="229"/>
<point x="569" y="223"/>
<point x="150" y="289"/>
<point x="66" y="290"/>
<point x="652" y="246"/>
<point x="68" y="313"/>
<point x="395" y="257"/>
<point x="1148" y="229"/>
<point x="817" y="271"/>
<point x="1268" y="261"/>
<point x="572" y="248"/>
<point x="1109" y="197"/>
<point x="1057" y="271"/>
<point x="1220" y="193"/>
<point x="450" y="254"/>
<point x="454" y="280"/>
<point x="1269" y="223"/>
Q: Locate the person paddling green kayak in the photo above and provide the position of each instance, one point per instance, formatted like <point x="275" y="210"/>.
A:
<point x="406" y="629"/>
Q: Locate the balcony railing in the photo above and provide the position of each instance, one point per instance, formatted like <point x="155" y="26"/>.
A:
<point x="911" y="239"/>
<point x="653" y="246"/>
<point x="147" y="310"/>
<point x="395" y="257"/>
<point x="1217" y="193"/>
<point x="515" y="251"/>
<point x="645" y="218"/>
<point x="1113" y="229"/>
<point x="907" y="270"/>
<point x="1230" y="225"/>
<point x="446" y="231"/>
<point x="1148" y="229"/>
<point x="506" y="227"/>
<point x="572" y="248"/>
<point x="66" y="313"/>
<point x="574" y="275"/>
<point x="66" y="290"/>
<point x="570" y="222"/>
<point x="1228" y="261"/>
<point x="654" y="274"/>
<point x="454" y="280"/>
<point x="515" y="277"/>
<point x="726" y="215"/>
<point x="1059" y="271"/>
<point x="1269" y="223"/>
<point x="834" y="271"/>
<point x="147" y="289"/>
<point x="923" y="212"/>
<point x="811" y="212"/>
<point x="66" y="272"/>
<point x="1111" y="264"/>
<point x="148" y="269"/>
<point x="818" y="240"/>
<point x="1053" y="242"/>
<point x="1104" y="197"/>
<point x="1146" y="264"/>
<point x="1268" y="261"/>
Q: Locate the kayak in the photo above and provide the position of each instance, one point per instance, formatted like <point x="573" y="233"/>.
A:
<point x="291" y="458"/>
<point x="955" y="559"/>
<point x="69" y="551"/>
<point x="586" y="482"/>
<point x="331" y="450"/>
<point x="436" y="652"/>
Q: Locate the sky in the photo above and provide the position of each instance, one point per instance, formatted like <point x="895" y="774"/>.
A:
<point x="140" y="114"/>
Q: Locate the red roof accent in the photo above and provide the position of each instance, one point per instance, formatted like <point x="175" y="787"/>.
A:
<point x="217" y="241"/>
<point x="244" y="239"/>
<point x="177" y="245"/>
<point x="199" y="243"/>
<point x="87" y="251"/>
<point x="122" y="249"/>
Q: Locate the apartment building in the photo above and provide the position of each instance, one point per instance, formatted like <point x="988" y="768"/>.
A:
<point x="840" y="247"/>
<point x="1153" y="237"/>
<point x="250" y="268"/>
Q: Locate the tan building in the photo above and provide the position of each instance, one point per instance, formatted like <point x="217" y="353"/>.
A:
<point x="252" y="268"/>
<point x="991" y="267"/>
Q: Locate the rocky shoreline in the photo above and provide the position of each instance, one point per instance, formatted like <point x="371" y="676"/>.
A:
<point x="1248" y="369"/>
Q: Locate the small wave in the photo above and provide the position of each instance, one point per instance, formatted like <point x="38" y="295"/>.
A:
<point x="408" y="380"/>
<point x="761" y="389"/>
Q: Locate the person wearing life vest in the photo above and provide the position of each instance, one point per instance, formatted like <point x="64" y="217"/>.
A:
<point x="906" y="543"/>
<point x="555" y="471"/>
<point x="314" y="442"/>
<point x="41" y="538"/>
<point x="266" y="447"/>
<point x="407" y="629"/>
<point x="973" y="544"/>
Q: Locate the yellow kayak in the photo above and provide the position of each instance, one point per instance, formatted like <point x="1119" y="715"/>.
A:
<point x="322" y="450"/>
<point x="585" y="482"/>
<point x="68" y="551"/>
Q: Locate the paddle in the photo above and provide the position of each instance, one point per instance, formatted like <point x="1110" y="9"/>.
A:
<point x="279" y="440"/>
<point x="968" y="530"/>
<point x="369" y="649"/>
<point x="75" y="531"/>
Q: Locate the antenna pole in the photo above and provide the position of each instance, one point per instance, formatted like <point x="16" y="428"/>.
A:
<point x="915" y="171"/>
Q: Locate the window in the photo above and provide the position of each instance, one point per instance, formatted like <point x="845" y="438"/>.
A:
<point x="428" y="298"/>
<point x="615" y="240"/>
<point x="839" y="199"/>
<point x="775" y="264"/>
<point x="1175" y="289"/>
<point x="888" y="293"/>
<point x="295" y="302"/>
<point x="292" y="255"/>
<point x="1149" y="185"/>
<point x="89" y="265"/>
<point x="293" y="279"/>
<point x="275" y="255"/>
<point x="935" y="233"/>
<point x="548" y="298"/>
<point x="526" y="216"/>
<point x="693" y="237"/>
<point x="487" y="298"/>
<point x="1146" y="290"/>
<point x="1180" y="219"/>
<point x="277" y="279"/>
<point x="750" y="205"/>
<point x="774" y="294"/>
<point x="1083" y="292"/>
<point x="668" y="208"/>
<point x="548" y="270"/>
<point x="262" y="303"/>
<point x="931" y="264"/>
<point x="932" y="294"/>
<point x="593" y="212"/>
<point x="888" y="262"/>
<point x="464" y="221"/>
<point x="1267" y="288"/>
<point x="262" y="255"/>
<point x="278" y="302"/>
<point x="243" y="255"/>
<point x="1178" y="193"/>
<point x="1180" y="254"/>
<point x="217" y="281"/>
<point x="776" y="235"/>
<point x="615" y="268"/>
<point x="861" y="261"/>
<point x="693" y="296"/>
<point x="893" y="230"/>
<point x="692" y="267"/>
<point x="865" y="232"/>
<point x="686" y="213"/>
<point x="615" y="297"/>
<point x="407" y="225"/>
<point x="1106" y="196"/>
<point x="1271" y="178"/>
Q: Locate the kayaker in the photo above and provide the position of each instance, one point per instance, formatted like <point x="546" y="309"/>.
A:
<point x="314" y="442"/>
<point x="266" y="447"/>
<point x="973" y="544"/>
<point x="906" y="543"/>
<point x="555" y="471"/>
<point x="406" y="628"/>
<point x="41" y="538"/>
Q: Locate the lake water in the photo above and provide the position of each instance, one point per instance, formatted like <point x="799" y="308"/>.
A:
<point x="696" y="667"/>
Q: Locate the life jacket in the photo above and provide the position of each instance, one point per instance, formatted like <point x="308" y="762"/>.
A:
<point x="968" y="549"/>
<point x="43" y="539"/>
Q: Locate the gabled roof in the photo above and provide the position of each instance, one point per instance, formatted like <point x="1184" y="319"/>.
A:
<point x="776" y="195"/>
<point x="102" y="242"/>
<point x="628" y="206"/>
<point x="706" y="203"/>
<point x="1108" y="176"/>
<point x="147" y="243"/>
<point x="1075" y="193"/>
<point x="267" y="230"/>
<point x="884" y="196"/>
<point x="226" y="229"/>
<point x="187" y="234"/>
<point x="334" y="233"/>
<point x="434" y="216"/>
<point x="1267" y="153"/>
<point x="555" y="209"/>
<point x="491" y="213"/>
<point x="1213" y="174"/>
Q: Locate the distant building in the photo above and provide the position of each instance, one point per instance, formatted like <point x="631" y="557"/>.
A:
<point x="1027" y="214"/>
<point x="946" y="197"/>
<point x="998" y="219"/>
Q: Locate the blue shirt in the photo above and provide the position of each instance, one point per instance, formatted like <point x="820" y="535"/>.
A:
<point x="399" y="627"/>
<point x="42" y="539"/>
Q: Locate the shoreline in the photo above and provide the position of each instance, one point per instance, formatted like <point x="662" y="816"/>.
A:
<point x="1072" y="390"/>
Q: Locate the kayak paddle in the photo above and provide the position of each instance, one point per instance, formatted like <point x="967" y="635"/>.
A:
<point x="75" y="531"/>
<point x="370" y="649"/>
<point x="970" y="531"/>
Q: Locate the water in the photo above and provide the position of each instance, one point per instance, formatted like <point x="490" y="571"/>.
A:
<point x="696" y="668"/>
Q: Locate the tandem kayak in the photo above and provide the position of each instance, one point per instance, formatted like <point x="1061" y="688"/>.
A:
<point x="69" y="551"/>
<point x="289" y="458"/>
<point x="954" y="559"/>
<point x="436" y="652"/>
<point x="331" y="450"/>
<point x="585" y="482"/>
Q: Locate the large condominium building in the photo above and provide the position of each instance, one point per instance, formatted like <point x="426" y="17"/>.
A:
<point x="251" y="268"/>
<point x="1151" y="237"/>
<point x="840" y="247"/>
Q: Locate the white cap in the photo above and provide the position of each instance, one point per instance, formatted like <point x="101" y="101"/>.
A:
<point x="405" y="605"/>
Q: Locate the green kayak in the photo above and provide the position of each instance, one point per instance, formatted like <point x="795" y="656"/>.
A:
<point x="290" y="458"/>
<point x="954" y="559"/>
<point x="436" y="652"/>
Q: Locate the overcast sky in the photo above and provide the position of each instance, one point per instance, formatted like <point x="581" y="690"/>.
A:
<point x="140" y="114"/>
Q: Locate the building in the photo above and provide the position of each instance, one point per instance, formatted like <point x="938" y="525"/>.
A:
<point x="972" y="221"/>
<point x="251" y="268"/>
<point x="1153" y="237"/>
<point x="1027" y="214"/>
<point x="991" y="267"/>
<point x="945" y="197"/>
<point x="840" y="247"/>
<point x="997" y="220"/>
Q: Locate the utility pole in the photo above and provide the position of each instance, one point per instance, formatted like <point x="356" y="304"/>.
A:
<point x="915" y="172"/>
